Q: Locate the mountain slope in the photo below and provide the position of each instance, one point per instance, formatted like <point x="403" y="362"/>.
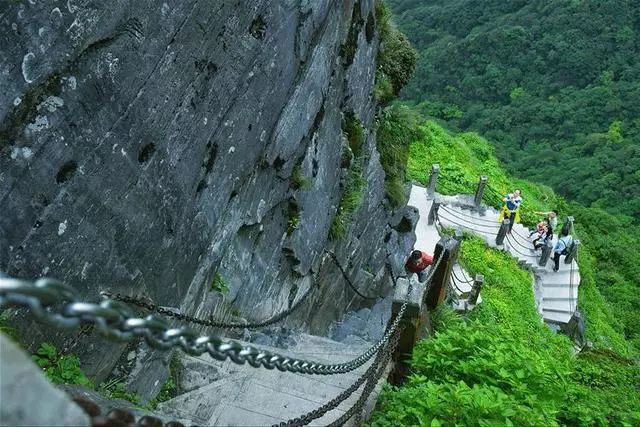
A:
<point x="553" y="84"/>
<point x="501" y="365"/>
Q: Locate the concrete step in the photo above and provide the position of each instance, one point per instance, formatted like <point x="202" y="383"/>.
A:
<point x="564" y="292"/>
<point x="560" y="278"/>
<point x="224" y="393"/>
<point x="554" y="316"/>
<point x="561" y="305"/>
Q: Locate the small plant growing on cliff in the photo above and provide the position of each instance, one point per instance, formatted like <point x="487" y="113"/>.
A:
<point x="116" y="389"/>
<point x="352" y="128"/>
<point x="298" y="180"/>
<point x="351" y="199"/>
<point x="354" y="182"/>
<point x="218" y="284"/>
<point x="60" y="369"/>
<point x="397" y="128"/>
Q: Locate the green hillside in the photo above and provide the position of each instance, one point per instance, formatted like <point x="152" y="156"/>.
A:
<point x="554" y="84"/>
<point x="502" y="365"/>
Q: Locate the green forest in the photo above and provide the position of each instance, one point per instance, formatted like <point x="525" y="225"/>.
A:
<point x="537" y="96"/>
<point x="555" y="85"/>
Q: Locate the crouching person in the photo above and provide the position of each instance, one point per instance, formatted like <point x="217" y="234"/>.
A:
<point x="418" y="263"/>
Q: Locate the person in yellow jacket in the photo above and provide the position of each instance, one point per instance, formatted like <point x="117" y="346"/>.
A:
<point x="511" y="208"/>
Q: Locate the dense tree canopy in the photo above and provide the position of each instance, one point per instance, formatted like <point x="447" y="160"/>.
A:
<point x="554" y="83"/>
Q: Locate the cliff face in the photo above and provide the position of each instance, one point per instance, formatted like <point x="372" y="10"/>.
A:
<point x="148" y="147"/>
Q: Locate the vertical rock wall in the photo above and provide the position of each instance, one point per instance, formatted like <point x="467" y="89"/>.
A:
<point x="148" y="146"/>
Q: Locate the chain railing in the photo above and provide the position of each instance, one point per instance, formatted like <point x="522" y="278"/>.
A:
<point x="57" y="304"/>
<point x="139" y="302"/>
<point x="455" y="215"/>
<point x="347" y="279"/>
<point x="370" y="385"/>
<point x="381" y="360"/>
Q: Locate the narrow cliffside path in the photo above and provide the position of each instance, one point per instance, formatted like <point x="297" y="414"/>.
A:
<point x="556" y="292"/>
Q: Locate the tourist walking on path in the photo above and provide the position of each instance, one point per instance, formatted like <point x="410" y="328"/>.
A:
<point x="562" y="248"/>
<point x="418" y="263"/>
<point x="511" y="209"/>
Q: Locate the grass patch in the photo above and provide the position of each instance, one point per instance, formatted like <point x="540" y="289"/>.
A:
<point x="298" y="180"/>
<point x="6" y="327"/>
<point x="352" y="128"/>
<point x="397" y="128"/>
<point x="355" y="183"/>
<point x="349" y="203"/>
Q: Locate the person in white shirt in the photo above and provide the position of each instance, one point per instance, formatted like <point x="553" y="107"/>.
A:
<point x="562" y="248"/>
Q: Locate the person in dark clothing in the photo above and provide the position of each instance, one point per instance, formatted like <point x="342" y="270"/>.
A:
<point x="418" y="263"/>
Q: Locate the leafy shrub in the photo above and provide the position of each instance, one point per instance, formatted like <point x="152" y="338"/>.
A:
<point x="60" y="369"/>
<point x="218" y="284"/>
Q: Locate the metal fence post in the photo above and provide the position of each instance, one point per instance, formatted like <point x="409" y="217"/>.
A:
<point x="573" y="252"/>
<point x="447" y="247"/>
<point x="433" y="181"/>
<point x="477" y="200"/>
<point x="546" y="253"/>
<point x="476" y="288"/>
<point x="502" y="233"/>
<point x="411" y="326"/>
<point x="568" y="225"/>
<point x="433" y="212"/>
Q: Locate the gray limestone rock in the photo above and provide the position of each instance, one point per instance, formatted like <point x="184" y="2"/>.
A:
<point x="147" y="147"/>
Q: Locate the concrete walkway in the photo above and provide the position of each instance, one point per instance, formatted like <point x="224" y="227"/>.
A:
<point x="226" y="394"/>
<point x="556" y="293"/>
<point x="426" y="238"/>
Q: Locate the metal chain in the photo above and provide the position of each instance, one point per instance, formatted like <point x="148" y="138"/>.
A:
<point x="370" y="385"/>
<point x="347" y="279"/>
<point x="434" y="268"/>
<point x="513" y="248"/>
<point x="461" y="281"/>
<point x="336" y="401"/>
<point x="206" y="322"/>
<point x="454" y="214"/>
<point x="57" y="304"/>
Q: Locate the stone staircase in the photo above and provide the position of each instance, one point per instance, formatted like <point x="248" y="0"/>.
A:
<point x="226" y="394"/>
<point x="556" y="292"/>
